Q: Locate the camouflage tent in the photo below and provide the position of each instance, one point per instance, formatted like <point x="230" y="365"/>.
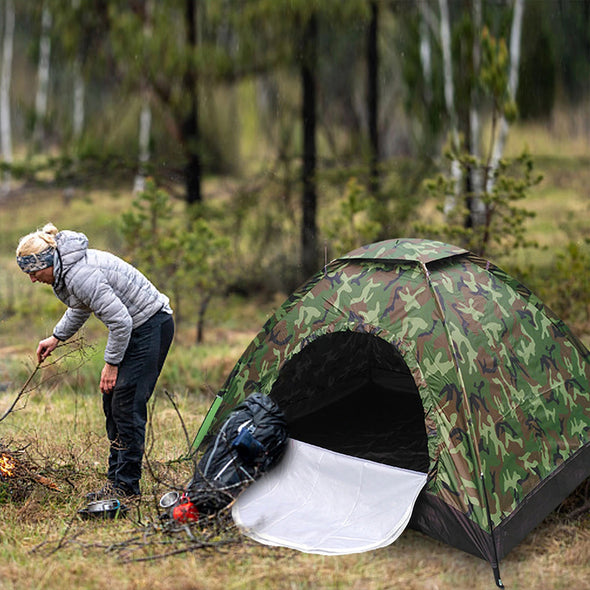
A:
<point x="423" y="355"/>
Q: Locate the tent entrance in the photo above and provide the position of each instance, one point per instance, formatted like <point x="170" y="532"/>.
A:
<point x="353" y="393"/>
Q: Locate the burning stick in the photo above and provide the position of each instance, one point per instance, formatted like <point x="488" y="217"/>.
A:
<point x="15" y="472"/>
<point x="7" y="465"/>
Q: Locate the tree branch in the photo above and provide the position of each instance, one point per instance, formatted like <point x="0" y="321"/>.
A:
<point x="78" y="345"/>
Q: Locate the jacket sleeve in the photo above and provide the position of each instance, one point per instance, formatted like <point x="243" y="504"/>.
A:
<point x="95" y="293"/>
<point x="71" y="321"/>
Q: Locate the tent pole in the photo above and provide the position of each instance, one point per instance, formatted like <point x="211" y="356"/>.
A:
<point x="496" y="565"/>
<point x="205" y="425"/>
<point x="474" y="449"/>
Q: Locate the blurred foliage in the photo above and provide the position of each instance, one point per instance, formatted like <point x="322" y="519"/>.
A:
<point x="566" y="284"/>
<point x="262" y="223"/>
<point x="493" y="75"/>
<point x="249" y="100"/>
<point x="503" y="224"/>
<point x="481" y="199"/>
<point x="352" y="225"/>
<point x="188" y="260"/>
<point x="539" y="73"/>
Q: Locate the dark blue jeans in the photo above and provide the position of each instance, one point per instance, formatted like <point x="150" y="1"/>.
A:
<point x="126" y="407"/>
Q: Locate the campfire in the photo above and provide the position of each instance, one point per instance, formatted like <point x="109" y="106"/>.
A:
<point x="7" y="466"/>
<point x="19" y="476"/>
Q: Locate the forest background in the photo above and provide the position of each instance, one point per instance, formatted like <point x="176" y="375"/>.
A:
<point x="231" y="148"/>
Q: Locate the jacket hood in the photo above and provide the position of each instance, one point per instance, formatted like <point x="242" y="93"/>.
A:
<point x="71" y="247"/>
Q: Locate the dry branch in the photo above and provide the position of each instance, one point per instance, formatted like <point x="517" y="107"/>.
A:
<point x="73" y="347"/>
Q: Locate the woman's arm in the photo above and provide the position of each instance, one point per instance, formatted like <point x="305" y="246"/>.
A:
<point x="71" y="321"/>
<point x="95" y="294"/>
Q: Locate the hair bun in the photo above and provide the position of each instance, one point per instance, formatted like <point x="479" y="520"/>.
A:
<point x="50" y="229"/>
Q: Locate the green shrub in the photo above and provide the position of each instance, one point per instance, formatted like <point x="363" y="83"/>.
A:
<point x="187" y="257"/>
<point x="566" y="289"/>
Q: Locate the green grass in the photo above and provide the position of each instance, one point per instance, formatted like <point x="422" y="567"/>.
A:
<point x="44" y="545"/>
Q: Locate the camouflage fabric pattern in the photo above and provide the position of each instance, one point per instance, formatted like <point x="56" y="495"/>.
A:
<point x="413" y="250"/>
<point x="504" y="384"/>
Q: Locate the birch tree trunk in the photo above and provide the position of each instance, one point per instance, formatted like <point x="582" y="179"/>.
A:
<point x="477" y="207"/>
<point x="500" y="140"/>
<point x="5" y="80"/>
<point x="145" y="117"/>
<point x="79" y="93"/>
<point x="42" y="79"/>
<point x="449" y="93"/>
<point x="449" y="89"/>
<point x="474" y="105"/>
<point x="425" y="53"/>
<point x="145" y="125"/>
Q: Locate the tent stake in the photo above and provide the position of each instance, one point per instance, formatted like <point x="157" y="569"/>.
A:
<point x="495" y="566"/>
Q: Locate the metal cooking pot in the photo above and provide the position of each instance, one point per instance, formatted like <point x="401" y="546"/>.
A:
<point x="104" y="509"/>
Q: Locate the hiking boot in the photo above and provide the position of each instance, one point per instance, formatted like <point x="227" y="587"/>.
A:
<point x="110" y="492"/>
<point x="107" y="492"/>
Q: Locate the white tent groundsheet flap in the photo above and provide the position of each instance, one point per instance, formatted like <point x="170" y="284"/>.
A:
<point x="319" y="501"/>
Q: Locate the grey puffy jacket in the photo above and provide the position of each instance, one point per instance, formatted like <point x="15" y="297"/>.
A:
<point x="92" y="281"/>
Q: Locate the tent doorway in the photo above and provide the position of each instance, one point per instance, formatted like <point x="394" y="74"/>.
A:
<point x="353" y="393"/>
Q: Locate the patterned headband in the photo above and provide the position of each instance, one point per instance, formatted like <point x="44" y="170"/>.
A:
<point x="34" y="262"/>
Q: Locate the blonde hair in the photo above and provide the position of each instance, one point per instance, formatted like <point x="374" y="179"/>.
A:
<point x="37" y="241"/>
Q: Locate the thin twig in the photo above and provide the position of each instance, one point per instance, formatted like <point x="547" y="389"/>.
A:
<point x="62" y="541"/>
<point x="21" y="392"/>
<point x="186" y="436"/>
<point x="192" y="547"/>
<point x="79" y="347"/>
<point x="148" y="462"/>
<point x="573" y="514"/>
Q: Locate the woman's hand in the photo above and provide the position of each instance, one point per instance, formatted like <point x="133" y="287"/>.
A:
<point x="46" y="347"/>
<point x="108" y="378"/>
